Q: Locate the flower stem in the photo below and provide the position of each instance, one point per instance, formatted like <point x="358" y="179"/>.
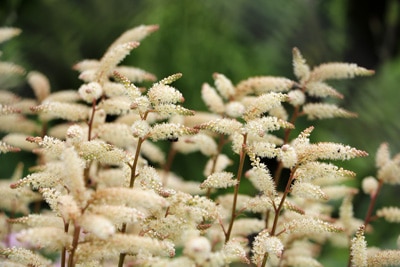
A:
<point x="75" y="240"/>
<point x="236" y="188"/>
<point x="64" y="250"/>
<point x="131" y="185"/>
<point x="372" y="204"/>
<point x="285" y="194"/>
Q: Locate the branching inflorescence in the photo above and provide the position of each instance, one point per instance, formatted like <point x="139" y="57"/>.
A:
<point x="113" y="198"/>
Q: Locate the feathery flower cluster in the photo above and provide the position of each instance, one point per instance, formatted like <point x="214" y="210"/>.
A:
<point x="112" y="194"/>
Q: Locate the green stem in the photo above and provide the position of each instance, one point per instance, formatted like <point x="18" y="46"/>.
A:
<point x="236" y="188"/>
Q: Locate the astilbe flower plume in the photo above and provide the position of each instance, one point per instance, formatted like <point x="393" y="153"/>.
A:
<point x="114" y="199"/>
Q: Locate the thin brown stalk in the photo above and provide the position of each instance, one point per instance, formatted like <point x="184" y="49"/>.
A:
<point x="279" y="208"/>
<point x="221" y="143"/>
<point x="64" y="249"/>
<point x="75" y="240"/>
<point x="236" y="188"/>
<point x="131" y="185"/>
<point x="372" y="203"/>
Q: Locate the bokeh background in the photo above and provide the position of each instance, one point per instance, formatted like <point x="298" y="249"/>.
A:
<point x="240" y="39"/>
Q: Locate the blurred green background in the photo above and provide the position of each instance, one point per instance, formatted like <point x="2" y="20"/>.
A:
<point x="238" y="38"/>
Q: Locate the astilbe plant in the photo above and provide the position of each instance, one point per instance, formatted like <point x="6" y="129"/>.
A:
<point x="113" y="198"/>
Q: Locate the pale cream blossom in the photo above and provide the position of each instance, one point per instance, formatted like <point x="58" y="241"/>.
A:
<point x="152" y="152"/>
<point x="86" y="64"/>
<point x="217" y="165"/>
<point x="142" y="104"/>
<point x="390" y="214"/>
<point x="234" y="109"/>
<point x="24" y="257"/>
<point x="321" y="89"/>
<point x="163" y="94"/>
<point x="7" y="97"/>
<point x="346" y="215"/>
<point x="143" y="200"/>
<point x="198" y="142"/>
<point x="73" y="175"/>
<point x="224" y="86"/>
<point x="370" y="185"/>
<point x="390" y="172"/>
<point x="124" y="243"/>
<point x="322" y="173"/>
<point x="288" y="156"/>
<point x="24" y="106"/>
<point x="4" y="148"/>
<point x="222" y="126"/>
<point x="16" y="199"/>
<point x="198" y="248"/>
<point x="263" y="104"/>
<point x="98" y="225"/>
<point x="118" y="134"/>
<point x="264" y="149"/>
<point x="102" y="152"/>
<point x="90" y="92"/>
<point x="168" y="110"/>
<point x="18" y="141"/>
<point x="116" y="105"/>
<point x="384" y="258"/>
<point x="212" y="99"/>
<point x="300" y="67"/>
<point x="169" y="131"/>
<point x="11" y="68"/>
<point x="140" y="128"/>
<point x="118" y="214"/>
<point x="63" y="96"/>
<point x="5" y="109"/>
<point x="296" y="98"/>
<point x="262" y="180"/>
<point x="112" y="58"/>
<point x="7" y="33"/>
<point x="339" y="191"/>
<point x="263" y="84"/>
<point x="135" y="74"/>
<point x="16" y="123"/>
<point x="219" y="180"/>
<point x="51" y="238"/>
<point x="244" y="227"/>
<point x="358" y="249"/>
<point x="40" y="85"/>
<point x="308" y="191"/>
<point x="135" y="34"/>
<point x="132" y="91"/>
<point x="170" y="79"/>
<point x="266" y="245"/>
<point x="338" y="71"/>
<point x="63" y="205"/>
<point x="328" y="150"/>
<point x="308" y="226"/>
<point x="66" y="111"/>
<point x="260" y="126"/>
<point x="36" y="220"/>
<point x="326" y="111"/>
<point x="382" y="155"/>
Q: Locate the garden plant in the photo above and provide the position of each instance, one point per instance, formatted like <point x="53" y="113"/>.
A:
<point x="103" y="191"/>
